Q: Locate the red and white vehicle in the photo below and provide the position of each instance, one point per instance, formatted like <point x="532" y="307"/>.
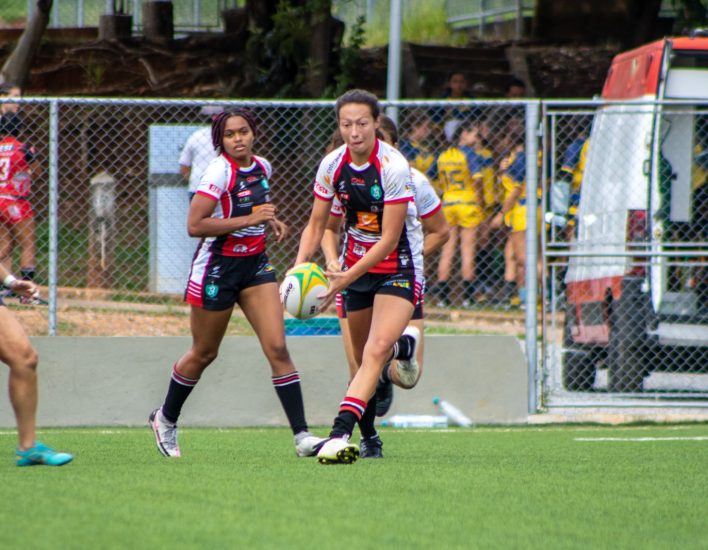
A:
<point x="635" y="303"/>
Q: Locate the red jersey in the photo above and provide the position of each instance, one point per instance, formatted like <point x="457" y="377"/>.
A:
<point x="15" y="158"/>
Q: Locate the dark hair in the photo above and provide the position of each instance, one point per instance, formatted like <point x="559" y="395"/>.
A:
<point x="387" y="124"/>
<point x="5" y="87"/>
<point x="10" y="125"/>
<point x="514" y="82"/>
<point x="358" y="96"/>
<point x="219" y="121"/>
<point x="334" y="142"/>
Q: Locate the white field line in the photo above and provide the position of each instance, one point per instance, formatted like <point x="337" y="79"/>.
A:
<point x="640" y="439"/>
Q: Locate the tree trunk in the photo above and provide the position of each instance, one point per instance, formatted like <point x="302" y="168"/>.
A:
<point x="320" y="48"/>
<point x="643" y="19"/>
<point x="17" y="67"/>
<point x="158" y="21"/>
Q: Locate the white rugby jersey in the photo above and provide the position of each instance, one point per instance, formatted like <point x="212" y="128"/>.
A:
<point x="236" y="190"/>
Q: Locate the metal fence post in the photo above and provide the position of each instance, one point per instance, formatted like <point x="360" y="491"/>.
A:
<point x="532" y="175"/>
<point x="53" y="212"/>
<point x="393" y="84"/>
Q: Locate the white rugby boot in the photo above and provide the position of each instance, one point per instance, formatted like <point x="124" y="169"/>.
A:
<point x="307" y="444"/>
<point x="409" y="370"/>
<point x="338" y="450"/>
<point x="165" y="434"/>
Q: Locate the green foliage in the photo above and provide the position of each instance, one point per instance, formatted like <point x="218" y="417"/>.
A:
<point x="535" y="487"/>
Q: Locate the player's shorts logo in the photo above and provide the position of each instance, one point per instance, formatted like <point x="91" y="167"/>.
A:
<point x="211" y="290"/>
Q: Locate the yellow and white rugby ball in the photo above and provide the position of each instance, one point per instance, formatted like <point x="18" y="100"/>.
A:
<point x="300" y="290"/>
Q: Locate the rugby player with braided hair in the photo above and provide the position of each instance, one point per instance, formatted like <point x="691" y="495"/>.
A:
<point x="229" y="212"/>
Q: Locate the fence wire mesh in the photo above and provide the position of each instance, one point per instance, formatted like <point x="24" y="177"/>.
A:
<point x="123" y="253"/>
<point x="625" y="251"/>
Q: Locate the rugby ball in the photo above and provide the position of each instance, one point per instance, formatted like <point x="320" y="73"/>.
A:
<point x="300" y="290"/>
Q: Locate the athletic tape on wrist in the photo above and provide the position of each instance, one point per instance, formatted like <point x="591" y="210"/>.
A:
<point x="9" y="281"/>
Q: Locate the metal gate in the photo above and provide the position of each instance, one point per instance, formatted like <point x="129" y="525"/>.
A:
<point x="624" y="254"/>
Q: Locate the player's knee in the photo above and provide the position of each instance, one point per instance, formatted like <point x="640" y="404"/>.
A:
<point x="378" y="348"/>
<point x="205" y="357"/>
<point x="277" y="352"/>
<point x="25" y="359"/>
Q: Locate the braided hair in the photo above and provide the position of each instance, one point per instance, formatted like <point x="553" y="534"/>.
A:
<point x="219" y="121"/>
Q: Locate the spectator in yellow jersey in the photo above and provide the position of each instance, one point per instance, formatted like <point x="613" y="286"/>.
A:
<point x="415" y="146"/>
<point x="460" y="173"/>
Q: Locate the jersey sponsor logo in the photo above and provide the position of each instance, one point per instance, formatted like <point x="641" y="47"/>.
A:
<point x="264" y="184"/>
<point x="327" y="179"/>
<point x="398" y="283"/>
<point x="357" y="181"/>
<point x="375" y="209"/>
<point x="368" y="221"/>
<point x="240" y="249"/>
<point x="7" y="147"/>
<point x="321" y="189"/>
<point x="244" y="193"/>
<point x="251" y="179"/>
<point x="376" y="192"/>
<point x="211" y="290"/>
<point x="214" y="189"/>
<point x="358" y="250"/>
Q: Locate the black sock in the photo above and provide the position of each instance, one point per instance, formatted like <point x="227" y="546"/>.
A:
<point x="350" y="411"/>
<point x="177" y="393"/>
<point x="385" y="375"/>
<point x="366" y="422"/>
<point x="469" y="289"/>
<point x="290" y="394"/>
<point x="442" y="289"/>
<point x="403" y="348"/>
<point x="27" y="273"/>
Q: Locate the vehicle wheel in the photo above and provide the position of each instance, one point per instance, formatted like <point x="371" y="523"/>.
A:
<point x="627" y="353"/>
<point x="578" y="364"/>
<point x="578" y="370"/>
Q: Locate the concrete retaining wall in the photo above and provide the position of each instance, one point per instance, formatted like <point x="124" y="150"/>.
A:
<point x="118" y="381"/>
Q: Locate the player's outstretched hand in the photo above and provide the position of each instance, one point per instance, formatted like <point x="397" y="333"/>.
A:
<point x="27" y="290"/>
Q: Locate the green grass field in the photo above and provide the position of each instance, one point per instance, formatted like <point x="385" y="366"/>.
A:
<point x="549" y="487"/>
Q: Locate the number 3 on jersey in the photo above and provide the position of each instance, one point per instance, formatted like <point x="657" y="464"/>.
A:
<point x="4" y="169"/>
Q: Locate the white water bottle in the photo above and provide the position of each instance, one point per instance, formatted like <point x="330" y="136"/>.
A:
<point x="415" y="421"/>
<point x="455" y="415"/>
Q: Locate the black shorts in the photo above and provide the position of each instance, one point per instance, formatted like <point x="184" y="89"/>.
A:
<point x="361" y="293"/>
<point x="342" y="309"/>
<point x="217" y="285"/>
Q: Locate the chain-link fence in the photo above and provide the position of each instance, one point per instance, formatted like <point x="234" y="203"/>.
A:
<point x="115" y="209"/>
<point x="621" y="189"/>
<point x="626" y="252"/>
<point x="188" y="14"/>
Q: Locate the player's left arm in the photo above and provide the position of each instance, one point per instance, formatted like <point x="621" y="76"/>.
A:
<point x="437" y="232"/>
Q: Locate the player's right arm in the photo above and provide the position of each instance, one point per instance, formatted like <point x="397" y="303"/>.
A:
<point x="321" y="207"/>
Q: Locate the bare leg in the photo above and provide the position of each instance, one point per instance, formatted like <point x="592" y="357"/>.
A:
<point x="468" y="249"/>
<point x="208" y="329"/>
<point x="348" y="349"/>
<point x="5" y="247"/>
<point x="387" y="320"/>
<point x="24" y="234"/>
<point x="446" y="255"/>
<point x="17" y="352"/>
<point x="262" y="308"/>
